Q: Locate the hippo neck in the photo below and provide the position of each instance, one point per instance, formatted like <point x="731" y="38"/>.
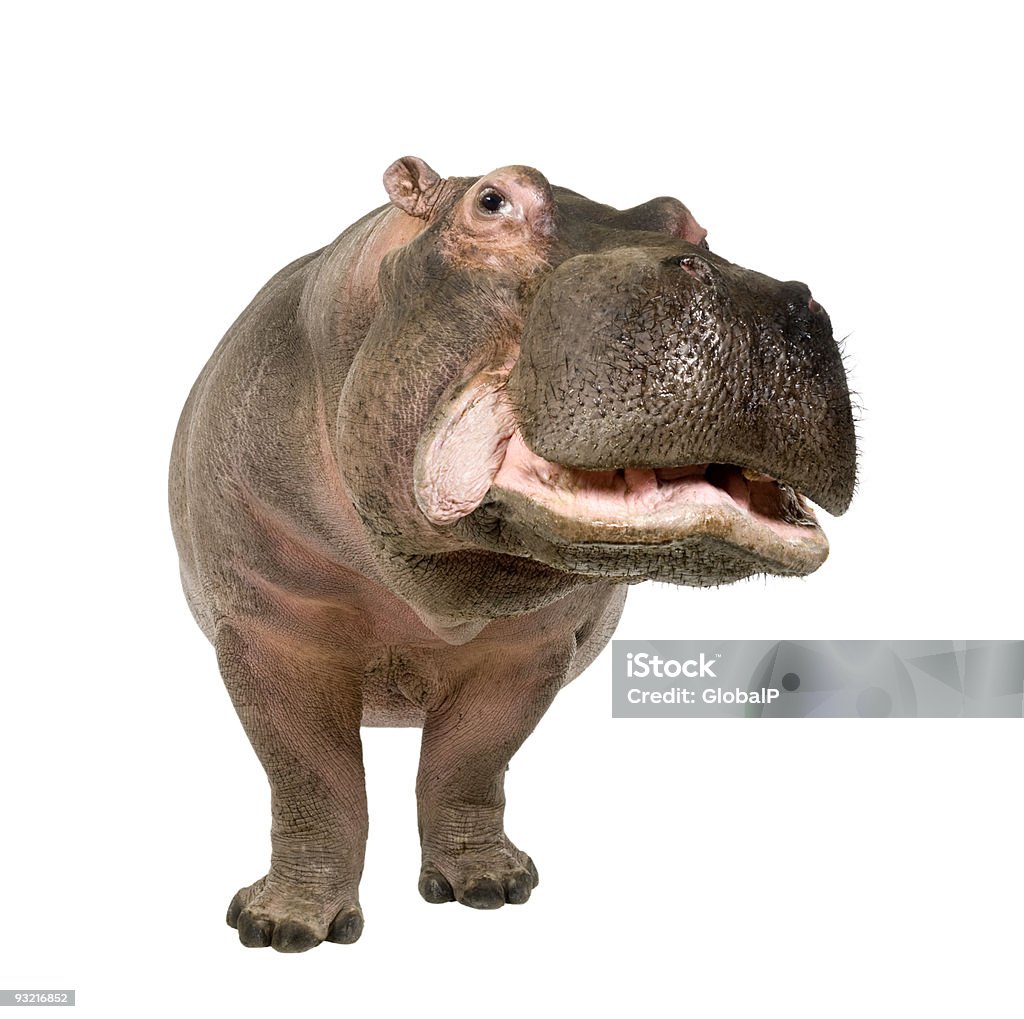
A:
<point x="341" y="297"/>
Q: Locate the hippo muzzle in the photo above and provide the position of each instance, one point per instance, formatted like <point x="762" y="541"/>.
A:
<point x="648" y="358"/>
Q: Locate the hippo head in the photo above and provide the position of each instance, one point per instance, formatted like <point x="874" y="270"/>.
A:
<point x="553" y="392"/>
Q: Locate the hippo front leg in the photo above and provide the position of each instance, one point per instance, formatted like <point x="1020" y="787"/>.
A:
<point x="302" y="717"/>
<point x="467" y="744"/>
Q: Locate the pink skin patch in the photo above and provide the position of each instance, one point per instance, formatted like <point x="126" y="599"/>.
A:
<point x="504" y="220"/>
<point x="465" y="448"/>
<point x="688" y="228"/>
<point x="474" y="447"/>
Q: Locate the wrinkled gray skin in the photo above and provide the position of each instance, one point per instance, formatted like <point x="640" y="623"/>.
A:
<point x="413" y="481"/>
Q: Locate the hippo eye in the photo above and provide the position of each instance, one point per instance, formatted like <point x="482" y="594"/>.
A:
<point x="491" y="200"/>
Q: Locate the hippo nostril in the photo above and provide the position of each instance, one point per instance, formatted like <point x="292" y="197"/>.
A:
<point x="797" y="297"/>
<point x="695" y="267"/>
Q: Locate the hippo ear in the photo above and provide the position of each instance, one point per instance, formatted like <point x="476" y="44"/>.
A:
<point x="412" y="185"/>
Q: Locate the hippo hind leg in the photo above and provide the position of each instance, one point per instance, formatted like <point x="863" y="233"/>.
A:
<point x="302" y="719"/>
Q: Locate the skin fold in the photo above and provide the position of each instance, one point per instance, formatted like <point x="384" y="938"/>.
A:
<point x="414" y="480"/>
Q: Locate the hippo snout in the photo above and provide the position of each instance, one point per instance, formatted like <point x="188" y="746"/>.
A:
<point x="646" y="358"/>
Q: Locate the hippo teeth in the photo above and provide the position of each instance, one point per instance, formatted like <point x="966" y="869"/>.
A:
<point x="761" y="493"/>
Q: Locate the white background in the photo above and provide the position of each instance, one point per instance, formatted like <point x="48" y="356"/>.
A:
<point x="162" y="161"/>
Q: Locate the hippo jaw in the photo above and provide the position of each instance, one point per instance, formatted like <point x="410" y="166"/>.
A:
<point x="692" y="505"/>
<point x="695" y="524"/>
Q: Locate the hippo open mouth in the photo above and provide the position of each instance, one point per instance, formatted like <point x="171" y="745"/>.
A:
<point x="474" y="468"/>
<point x="660" y="506"/>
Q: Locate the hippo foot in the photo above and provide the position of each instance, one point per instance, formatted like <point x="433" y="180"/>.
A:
<point x="481" y="879"/>
<point x="266" y="917"/>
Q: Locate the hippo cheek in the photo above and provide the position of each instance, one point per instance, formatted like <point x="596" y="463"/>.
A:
<point x="463" y="448"/>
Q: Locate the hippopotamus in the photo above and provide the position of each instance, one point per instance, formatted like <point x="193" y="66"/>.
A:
<point x="417" y="476"/>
